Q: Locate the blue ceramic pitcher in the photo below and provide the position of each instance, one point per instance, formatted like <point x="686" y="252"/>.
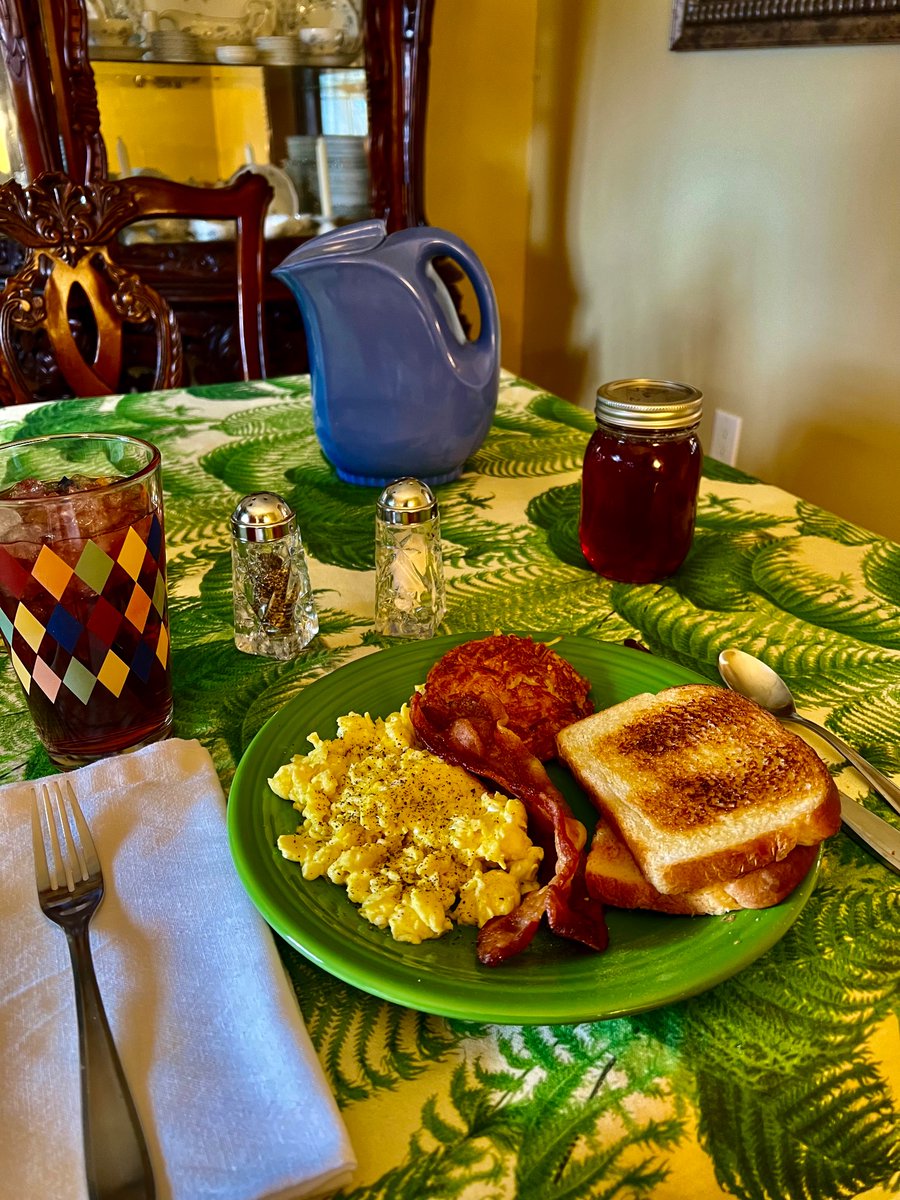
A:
<point x="397" y="387"/>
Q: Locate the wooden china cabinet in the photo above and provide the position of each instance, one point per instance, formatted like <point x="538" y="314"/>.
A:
<point x="52" y="88"/>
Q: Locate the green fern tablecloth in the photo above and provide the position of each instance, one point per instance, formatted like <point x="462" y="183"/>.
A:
<point x="782" y="1083"/>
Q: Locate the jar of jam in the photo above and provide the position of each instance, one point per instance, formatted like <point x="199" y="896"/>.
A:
<point x="640" y="479"/>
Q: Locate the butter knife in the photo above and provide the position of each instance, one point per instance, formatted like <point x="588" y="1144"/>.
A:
<point x="874" y="832"/>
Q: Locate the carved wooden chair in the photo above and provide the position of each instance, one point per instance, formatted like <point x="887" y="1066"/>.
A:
<point x="65" y="312"/>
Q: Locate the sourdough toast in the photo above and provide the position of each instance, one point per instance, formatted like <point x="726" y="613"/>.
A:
<point x="701" y="784"/>
<point x="613" y="877"/>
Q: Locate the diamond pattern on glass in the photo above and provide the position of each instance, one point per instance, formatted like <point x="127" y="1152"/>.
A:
<point x="83" y="627"/>
<point x="21" y="670"/>
<point x="155" y="538"/>
<point x="93" y="566"/>
<point x="113" y="673"/>
<point x="79" y="680"/>
<point x="65" y="628"/>
<point x="12" y="574"/>
<point x="50" y="571"/>
<point x="138" y="608"/>
<point x="104" y="620"/>
<point x="159" y="594"/>
<point x="133" y="552"/>
<point x="46" y="679"/>
<point x="162" y="646"/>
<point x="29" y="626"/>
<point x="142" y="663"/>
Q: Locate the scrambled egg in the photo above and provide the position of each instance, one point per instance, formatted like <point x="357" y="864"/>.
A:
<point x="417" y="842"/>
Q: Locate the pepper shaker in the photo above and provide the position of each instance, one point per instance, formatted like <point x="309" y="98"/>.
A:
<point x="274" y="612"/>
<point x="409" y="572"/>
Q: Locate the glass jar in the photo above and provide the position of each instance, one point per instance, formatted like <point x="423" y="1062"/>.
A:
<point x="640" y="479"/>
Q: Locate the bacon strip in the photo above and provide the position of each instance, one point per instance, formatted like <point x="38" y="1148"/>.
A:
<point x="470" y="731"/>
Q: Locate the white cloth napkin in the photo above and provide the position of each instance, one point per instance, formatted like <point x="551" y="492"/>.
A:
<point x="232" y="1098"/>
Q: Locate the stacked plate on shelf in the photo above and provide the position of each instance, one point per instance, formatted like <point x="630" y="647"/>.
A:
<point x="174" y="45"/>
<point x="240" y="56"/>
<point x="302" y="167"/>
<point x="279" y="50"/>
<point x="348" y="170"/>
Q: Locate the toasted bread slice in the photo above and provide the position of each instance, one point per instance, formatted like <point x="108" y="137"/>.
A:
<point x="701" y="784"/>
<point x="613" y="877"/>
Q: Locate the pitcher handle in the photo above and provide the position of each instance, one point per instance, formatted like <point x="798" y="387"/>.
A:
<point x="442" y="244"/>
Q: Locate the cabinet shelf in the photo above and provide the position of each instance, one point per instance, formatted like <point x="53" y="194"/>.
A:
<point x="141" y="58"/>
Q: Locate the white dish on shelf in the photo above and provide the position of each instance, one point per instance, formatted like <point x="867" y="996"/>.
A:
<point x="340" y="17"/>
<point x="164" y="41"/>
<point x="285" y="202"/>
<point x="321" y="39"/>
<point x="109" y="31"/>
<point x="212" y="231"/>
<point x="241" y="56"/>
<point x="281" y="226"/>
<point x="224" y="29"/>
<point x="283" y="42"/>
<point x="281" y="50"/>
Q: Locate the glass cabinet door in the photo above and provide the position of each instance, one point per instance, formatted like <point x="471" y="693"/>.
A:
<point x="311" y="83"/>
<point x="326" y="97"/>
<point x="276" y="85"/>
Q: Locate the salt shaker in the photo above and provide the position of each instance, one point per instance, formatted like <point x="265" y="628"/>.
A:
<point x="274" y="612"/>
<point x="409" y="572"/>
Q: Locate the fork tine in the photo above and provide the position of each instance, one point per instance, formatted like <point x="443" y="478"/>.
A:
<point x="60" y="863"/>
<point x="87" y="853"/>
<point x="75" y="864"/>
<point x="37" y="837"/>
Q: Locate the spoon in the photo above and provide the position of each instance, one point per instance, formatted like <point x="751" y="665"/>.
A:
<point x="752" y="678"/>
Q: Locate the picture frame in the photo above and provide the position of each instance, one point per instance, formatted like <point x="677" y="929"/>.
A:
<point x="749" y="24"/>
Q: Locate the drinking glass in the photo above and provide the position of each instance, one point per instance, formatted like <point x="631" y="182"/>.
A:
<point x="83" y="607"/>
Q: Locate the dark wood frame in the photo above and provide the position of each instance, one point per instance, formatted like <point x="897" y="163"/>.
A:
<point x="749" y="24"/>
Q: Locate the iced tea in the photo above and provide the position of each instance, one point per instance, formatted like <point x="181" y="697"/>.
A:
<point x="83" y="608"/>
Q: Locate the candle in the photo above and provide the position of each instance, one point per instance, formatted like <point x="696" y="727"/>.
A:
<point x="324" y="180"/>
<point x="122" y="155"/>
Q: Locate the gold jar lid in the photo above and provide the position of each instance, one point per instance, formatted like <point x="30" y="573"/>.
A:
<point x="648" y="404"/>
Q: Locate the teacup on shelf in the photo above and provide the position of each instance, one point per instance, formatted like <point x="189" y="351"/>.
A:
<point x="109" y="31"/>
<point x="321" y="40"/>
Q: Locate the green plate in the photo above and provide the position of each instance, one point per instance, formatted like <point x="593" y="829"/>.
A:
<point x="652" y="959"/>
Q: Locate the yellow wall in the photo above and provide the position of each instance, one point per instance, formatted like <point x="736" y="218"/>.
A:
<point x="189" y="121"/>
<point x="729" y="218"/>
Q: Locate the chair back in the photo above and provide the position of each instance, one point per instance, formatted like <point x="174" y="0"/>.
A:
<point x="65" y="311"/>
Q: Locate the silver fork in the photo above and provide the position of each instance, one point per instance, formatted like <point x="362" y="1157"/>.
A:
<point x="70" y="888"/>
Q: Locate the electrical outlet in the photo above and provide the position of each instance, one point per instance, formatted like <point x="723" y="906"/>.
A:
<point x="726" y="434"/>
